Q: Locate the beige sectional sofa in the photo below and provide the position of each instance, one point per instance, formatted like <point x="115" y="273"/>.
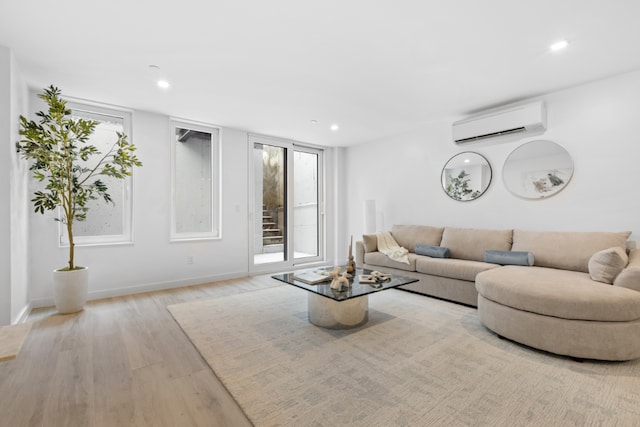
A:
<point x="554" y="305"/>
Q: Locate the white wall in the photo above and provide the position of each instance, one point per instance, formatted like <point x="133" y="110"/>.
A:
<point x="341" y="183"/>
<point x="20" y="205"/>
<point x="596" y="123"/>
<point x="13" y="184"/>
<point x="152" y="262"/>
<point x="5" y="188"/>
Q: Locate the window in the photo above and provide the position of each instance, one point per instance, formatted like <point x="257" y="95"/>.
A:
<point x="195" y="154"/>
<point x="106" y="223"/>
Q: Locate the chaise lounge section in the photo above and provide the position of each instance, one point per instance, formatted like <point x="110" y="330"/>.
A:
<point x="581" y="298"/>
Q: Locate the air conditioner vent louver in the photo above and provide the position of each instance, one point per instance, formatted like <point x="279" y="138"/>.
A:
<point x="493" y="134"/>
<point x="526" y="118"/>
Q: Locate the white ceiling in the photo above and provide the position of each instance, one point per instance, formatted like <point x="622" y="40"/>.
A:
<point x="376" y="68"/>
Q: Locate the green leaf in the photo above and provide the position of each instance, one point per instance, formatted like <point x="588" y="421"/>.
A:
<point x="60" y="154"/>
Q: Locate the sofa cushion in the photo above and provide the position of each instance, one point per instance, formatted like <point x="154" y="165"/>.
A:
<point x="408" y="236"/>
<point x="370" y="242"/>
<point x="452" y="268"/>
<point x="432" y="251"/>
<point x="605" y="265"/>
<point x="566" y="250"/>
<point x="471" y="243"/>
<point x="509" y="257"/>
<point x="380" y="259"/>
<point x="558" y="293"/>
<point x="630" y="276"/>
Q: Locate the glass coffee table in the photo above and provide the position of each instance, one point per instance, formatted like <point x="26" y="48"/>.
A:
<point x="333" y="309"/>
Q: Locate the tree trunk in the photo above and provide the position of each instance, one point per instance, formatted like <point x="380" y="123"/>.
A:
<point x="71" y="244"/>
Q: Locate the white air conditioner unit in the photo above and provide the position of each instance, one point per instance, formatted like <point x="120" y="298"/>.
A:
<point x="526" y="118"/>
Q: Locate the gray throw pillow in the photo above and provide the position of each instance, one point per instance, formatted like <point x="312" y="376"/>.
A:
<point x="432" y="251"/>
<point x="509" y="257"/>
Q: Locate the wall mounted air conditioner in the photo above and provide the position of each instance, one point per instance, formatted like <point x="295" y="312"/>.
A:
<point x="520" y="119"/>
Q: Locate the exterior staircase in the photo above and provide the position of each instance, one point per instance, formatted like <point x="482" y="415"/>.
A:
<point x="272" y="236"/>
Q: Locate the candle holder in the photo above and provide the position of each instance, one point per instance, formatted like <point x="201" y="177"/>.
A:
<point x="351" y="264"/>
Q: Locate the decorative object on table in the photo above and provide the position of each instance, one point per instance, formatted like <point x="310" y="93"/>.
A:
<point x="351" y="264"/>
<point x="312" y="277"/>
<point x="466" y="176"/>
<point x="366" y="278"/>
<point x="61" y="158"/>
<point x="374" y="279"/>
<point x="339" y="280"/>
<point x="335" y="273"/>
<point x="380" y="277"/>
<point x="537" y="169"/>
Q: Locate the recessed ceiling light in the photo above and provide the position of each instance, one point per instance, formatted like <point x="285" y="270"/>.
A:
<point x="163" y="84"/>
<point x="313" y="122"/>
<point x="334" y="127"/>
<point x="559" y="45"/>
<point x="467" y="160"/>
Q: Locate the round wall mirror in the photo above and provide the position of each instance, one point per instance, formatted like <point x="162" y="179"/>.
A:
<point x="466" y="176"/>
<point x="537" y="169"/>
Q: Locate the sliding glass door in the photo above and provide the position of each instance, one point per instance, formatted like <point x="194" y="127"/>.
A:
<point x="287" y="218"/>
<point x="306" y="202"/>
<point x="270" y="218"/>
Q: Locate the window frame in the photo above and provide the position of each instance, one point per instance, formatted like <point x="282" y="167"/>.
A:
<point x="126" y="237"/>
<point x="216" y="181"/>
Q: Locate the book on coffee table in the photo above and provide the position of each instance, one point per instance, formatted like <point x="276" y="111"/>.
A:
<point x="312" y="277"/>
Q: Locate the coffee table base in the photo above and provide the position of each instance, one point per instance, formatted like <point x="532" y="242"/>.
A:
<point x="330" y="314"/>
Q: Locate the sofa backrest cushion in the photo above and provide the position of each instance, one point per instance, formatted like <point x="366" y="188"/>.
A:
<point x="471" y="243"/>
<point x="370" y="242"/>
<point x="408" y="236"/>
<point x="566" y="250"/>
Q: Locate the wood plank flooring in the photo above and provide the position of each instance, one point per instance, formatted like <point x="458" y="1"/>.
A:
<point x="120" y="362"/>
<point x="11" y="339"/>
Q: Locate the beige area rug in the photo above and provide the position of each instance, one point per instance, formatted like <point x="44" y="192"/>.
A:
<point x="11" y="339"/>
<point x="417" y="362"/>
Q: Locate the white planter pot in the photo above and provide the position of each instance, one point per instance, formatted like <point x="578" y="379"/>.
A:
<point x="70" y="289"/>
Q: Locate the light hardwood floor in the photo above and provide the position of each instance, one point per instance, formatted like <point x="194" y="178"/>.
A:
<point x="120" y="362"/>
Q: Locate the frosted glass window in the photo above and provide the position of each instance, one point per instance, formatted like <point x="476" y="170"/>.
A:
<point x="106" y="222"/>
<point x="195" y="183"/>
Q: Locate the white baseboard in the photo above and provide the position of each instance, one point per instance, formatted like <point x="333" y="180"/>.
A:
<point x="24" y="313"/>
<point x="148" y="287"/>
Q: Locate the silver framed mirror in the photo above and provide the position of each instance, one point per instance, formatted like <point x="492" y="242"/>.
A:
<point x="466" y="176"/>
<point x="537" y="169"/>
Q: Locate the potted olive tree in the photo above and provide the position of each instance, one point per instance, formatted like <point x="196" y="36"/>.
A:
<point x="57" y="145"/>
